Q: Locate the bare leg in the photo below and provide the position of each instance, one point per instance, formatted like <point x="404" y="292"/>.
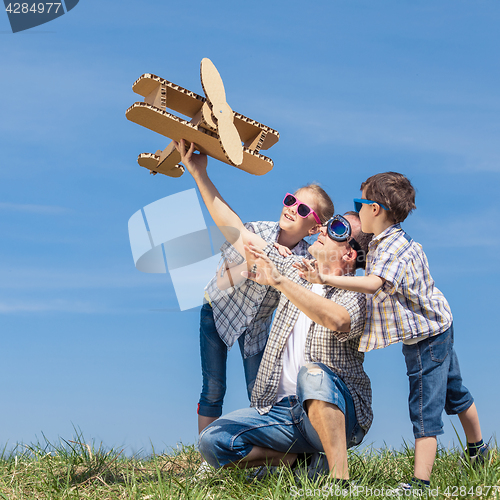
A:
<point x="258" y="455"/>
<point x="329" y="423"/>
<point x="265" y="456"/>
<point x="470" y="422"/>
<point x="425" y="453"/>
<point x="204" y="422"/>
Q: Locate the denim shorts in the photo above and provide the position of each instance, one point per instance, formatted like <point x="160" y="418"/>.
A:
<point x="213" y="353"/>
<point x="286" y="427"/>
<point x="435" y="383"/>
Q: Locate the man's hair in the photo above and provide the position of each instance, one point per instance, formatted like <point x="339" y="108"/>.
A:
<point x="362" y="239"/>
<point x="392" y="190"/>
<point x="325" y="209"/>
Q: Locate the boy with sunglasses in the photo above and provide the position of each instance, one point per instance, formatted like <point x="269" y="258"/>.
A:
<point x="243" y="312"/>
<point x="403" y="305"/>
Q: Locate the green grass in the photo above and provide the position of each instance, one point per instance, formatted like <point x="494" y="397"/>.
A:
<point x="73" y="469"/>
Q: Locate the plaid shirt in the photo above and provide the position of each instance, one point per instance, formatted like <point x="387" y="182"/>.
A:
<point x="337" y="350"/>
<point x="408" y="305"/>
<point x="248" y="308"/>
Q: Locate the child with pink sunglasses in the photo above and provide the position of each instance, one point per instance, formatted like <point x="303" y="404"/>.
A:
<point x="243" y="312"/>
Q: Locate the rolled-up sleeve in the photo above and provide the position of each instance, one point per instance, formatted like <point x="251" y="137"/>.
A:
<point x="355" y="304"/>
<point x="391" y="269"/>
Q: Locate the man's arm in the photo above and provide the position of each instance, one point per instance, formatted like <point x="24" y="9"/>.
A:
<point x="321" y="310"/>
<point x="225" y="218"/>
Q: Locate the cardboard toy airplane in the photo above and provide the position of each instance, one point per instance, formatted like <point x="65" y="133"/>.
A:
<point x="215" y="128"/>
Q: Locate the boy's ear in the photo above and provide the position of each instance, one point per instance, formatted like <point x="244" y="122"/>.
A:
<point x="315" y="229"/>
<point x="378" y="211"/>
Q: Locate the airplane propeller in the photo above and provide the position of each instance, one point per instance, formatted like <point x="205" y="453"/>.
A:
<point x="221" y="112"/>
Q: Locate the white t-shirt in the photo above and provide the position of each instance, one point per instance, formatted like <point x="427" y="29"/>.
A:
<point x="293" y="355"/>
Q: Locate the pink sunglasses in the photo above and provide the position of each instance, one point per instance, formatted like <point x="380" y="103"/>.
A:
<point x="303" y="210"/>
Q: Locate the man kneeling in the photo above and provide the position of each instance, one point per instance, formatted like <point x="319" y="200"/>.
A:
<point x="311" y="393"/>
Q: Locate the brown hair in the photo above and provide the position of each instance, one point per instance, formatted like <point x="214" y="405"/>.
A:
<point x="325" y="209"/>
<point x="394" y="191"/>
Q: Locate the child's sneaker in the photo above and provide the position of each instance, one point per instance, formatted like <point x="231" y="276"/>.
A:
<point x="413" y="488"/>
<point x="402" y="489"/>
<point x="482" y="456"/>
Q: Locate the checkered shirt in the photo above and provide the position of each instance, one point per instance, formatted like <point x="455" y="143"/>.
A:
<point x="248" y="308"/>
<point x="408" y="305"/>
<point x="337" y="350"/>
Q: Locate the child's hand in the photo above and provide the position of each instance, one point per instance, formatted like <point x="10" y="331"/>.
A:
<point x="283" y="250"/>
<point x="308" y="270"/>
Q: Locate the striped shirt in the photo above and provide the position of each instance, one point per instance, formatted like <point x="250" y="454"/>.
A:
<point x="408" y="305"/>
<point x="337" y="350"/>
<point x="248" y="308"/>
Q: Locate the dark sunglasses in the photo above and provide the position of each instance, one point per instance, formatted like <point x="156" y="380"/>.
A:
<point x="302" y="209"/>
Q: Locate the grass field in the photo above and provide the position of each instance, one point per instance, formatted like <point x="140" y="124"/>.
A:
<point x="73" y="469"/>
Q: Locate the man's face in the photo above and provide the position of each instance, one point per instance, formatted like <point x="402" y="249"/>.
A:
<point x="324" y="248"/>
<point x="327" y="251"/>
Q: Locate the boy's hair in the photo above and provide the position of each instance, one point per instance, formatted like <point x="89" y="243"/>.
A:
<point x="325" y="204"/>
<point x="363" y="240"/>
<point x="392" y="190"/>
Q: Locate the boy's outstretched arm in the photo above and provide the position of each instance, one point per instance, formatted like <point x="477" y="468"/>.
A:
<point x="320" y="309"/>
<point x="309" y="270"/>
<point x="225" y="218"/>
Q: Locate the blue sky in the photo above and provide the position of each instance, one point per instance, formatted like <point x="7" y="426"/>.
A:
<point x="353" y="87"/>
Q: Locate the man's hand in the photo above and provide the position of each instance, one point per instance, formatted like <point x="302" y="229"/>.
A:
<point x="194" y="162"/>
<point x="266" y="274"/>
<point x="308" y="270"/>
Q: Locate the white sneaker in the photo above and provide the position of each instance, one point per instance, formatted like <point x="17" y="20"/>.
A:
<point x="204" y="471"/>
<point x="408" y="489"/>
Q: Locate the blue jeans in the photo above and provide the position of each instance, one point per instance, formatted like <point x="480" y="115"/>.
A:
<point x="435" y="383"/>
<point x="286" y="427"/>
<point x="213" y="353"/>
